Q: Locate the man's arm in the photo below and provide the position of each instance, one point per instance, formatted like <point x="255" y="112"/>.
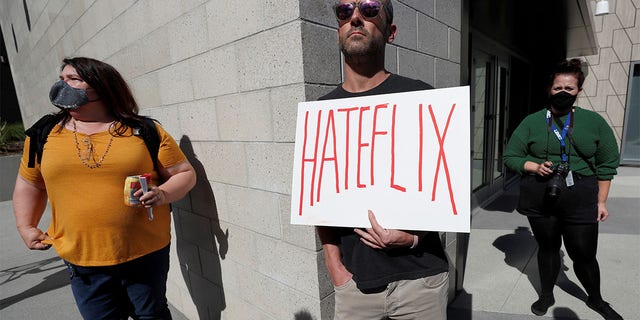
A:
<point x="332" y="256"/>
<point x="29" y="202"/>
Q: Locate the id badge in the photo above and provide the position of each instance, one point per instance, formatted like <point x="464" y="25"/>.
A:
<point x="569" y="179"/>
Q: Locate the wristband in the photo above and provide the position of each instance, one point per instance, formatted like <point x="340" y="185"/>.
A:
<point x="415" y="241"/>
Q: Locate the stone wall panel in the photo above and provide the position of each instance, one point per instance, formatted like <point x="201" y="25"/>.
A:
<point x="224" y="79"/>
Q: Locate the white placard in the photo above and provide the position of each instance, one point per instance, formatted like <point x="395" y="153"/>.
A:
<point x="405" y="156"/>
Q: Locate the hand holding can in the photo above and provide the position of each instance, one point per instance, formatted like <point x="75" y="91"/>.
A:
<point x="133" y="184"/>
<point x="145" y="180"/>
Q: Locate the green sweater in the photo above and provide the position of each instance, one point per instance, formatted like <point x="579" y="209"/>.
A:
<point x="592" y="136"/>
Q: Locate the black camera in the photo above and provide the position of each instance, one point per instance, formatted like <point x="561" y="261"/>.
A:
<point x="557" y="180"/>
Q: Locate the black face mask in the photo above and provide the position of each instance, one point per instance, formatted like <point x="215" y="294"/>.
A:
<point x="562" y="101"/>
<point x="65" y="96"/>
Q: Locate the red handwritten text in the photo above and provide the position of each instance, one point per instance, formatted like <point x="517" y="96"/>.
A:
<point x="372" y="129"/>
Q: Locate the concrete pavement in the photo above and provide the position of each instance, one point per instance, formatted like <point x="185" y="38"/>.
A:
<point x="34" y="284"/>
<point x="500" y="281"/>
<point x="501" y="278"/>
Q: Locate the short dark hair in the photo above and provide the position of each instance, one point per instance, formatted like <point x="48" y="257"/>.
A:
<point x="571" y="66"/>
<point x="387" y="6"/>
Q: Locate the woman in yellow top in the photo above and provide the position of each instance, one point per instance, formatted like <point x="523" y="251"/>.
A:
<point x="117" y="256"/>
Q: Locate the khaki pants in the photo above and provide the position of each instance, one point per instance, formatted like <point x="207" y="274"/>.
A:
<point x="424" y="299"/>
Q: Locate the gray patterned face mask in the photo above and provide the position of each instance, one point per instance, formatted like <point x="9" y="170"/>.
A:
<point x="65" y="96"/>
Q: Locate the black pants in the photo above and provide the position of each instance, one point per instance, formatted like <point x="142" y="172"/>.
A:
<point x="577" y="204"/>
<point x="581" y="243"/>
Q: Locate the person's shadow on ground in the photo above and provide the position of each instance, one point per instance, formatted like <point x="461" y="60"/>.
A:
<point x="520" y="250"/>
<point x="201" y="243"/>
<point x="50" y="282"/>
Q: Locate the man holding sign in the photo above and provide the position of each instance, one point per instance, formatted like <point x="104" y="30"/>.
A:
<point x="377" y="272"/>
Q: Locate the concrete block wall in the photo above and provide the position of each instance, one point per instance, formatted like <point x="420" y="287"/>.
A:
<point x="618" y="38"/>
<point x="225" y="79"/>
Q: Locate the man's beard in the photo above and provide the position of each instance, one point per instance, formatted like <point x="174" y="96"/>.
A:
<point x="361" y="47"/>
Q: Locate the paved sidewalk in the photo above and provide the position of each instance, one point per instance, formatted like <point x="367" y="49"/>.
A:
<point x="34" y="284"/>
<point x="502" y="274"/>
<point x="500" y="282"/>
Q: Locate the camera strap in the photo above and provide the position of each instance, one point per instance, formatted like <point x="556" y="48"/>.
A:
<point x="561" y="135"/>
<point x="567" y="131"/>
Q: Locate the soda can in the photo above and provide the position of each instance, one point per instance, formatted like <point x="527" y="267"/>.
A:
<point x="131" y="185"/>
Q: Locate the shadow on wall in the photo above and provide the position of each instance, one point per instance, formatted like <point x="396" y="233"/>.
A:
<point x="302" y="315"/>
<point x="201" y="243"/>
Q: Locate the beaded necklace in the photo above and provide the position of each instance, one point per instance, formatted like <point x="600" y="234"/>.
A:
<point x="88" y="154"/>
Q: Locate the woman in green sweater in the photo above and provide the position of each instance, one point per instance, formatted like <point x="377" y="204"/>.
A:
<point x="567" y="157"/>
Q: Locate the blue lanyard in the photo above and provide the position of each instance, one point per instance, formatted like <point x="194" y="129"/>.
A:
<point x="560" y="135"/>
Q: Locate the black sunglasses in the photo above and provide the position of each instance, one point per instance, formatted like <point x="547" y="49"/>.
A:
<point x="369" y="9"/>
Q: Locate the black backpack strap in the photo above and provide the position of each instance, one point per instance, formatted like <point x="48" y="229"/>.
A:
<point x="149" y="133"/>
<point x="40" y="130"/>
<point x="38" y="134"/>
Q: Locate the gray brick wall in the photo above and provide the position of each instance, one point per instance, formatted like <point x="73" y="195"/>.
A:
<point x="225" y="79"/>
<point x="618" y="38"/>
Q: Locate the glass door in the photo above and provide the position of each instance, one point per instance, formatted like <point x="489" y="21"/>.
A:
<point x="500" y="115"/>
<point x="481" y="99"/>
<point x="490" y="96"/>
<point x="630" y="153"/>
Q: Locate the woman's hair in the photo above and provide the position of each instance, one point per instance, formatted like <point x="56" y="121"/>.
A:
<point x="571" y="66"/>
<point x="110" y="87"/>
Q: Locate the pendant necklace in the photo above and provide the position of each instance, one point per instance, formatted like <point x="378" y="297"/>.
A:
<point x="88" y="155"/>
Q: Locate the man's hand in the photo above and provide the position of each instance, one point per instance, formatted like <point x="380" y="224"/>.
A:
<point x="378" y="237"/>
